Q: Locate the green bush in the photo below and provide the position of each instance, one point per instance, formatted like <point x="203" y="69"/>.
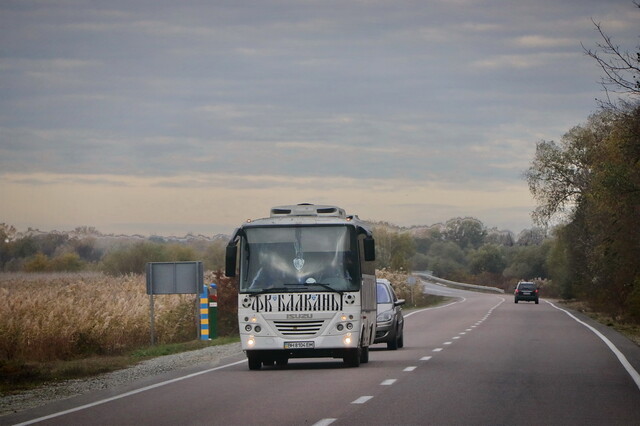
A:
<point x="67" y="262"/>
<point x="133" y="259"/>
<point x="38" y="263"/>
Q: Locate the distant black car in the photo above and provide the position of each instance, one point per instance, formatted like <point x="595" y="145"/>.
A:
<point x="526" y="290"/>
<point x="390" y="322"/>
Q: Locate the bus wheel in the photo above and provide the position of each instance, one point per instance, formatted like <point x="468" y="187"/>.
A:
<point x="364" y="355"/>
<point x="254" y="361"/>
<point x="352" y="357"/>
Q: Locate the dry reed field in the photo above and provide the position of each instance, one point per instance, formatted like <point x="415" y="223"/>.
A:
<point x="65" y="316"/>
<point x="61" y="316"/>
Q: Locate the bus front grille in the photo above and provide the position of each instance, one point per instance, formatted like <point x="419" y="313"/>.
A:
<point x="298" y="328"/>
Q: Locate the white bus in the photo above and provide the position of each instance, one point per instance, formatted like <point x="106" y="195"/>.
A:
<point x="307" y="285"/>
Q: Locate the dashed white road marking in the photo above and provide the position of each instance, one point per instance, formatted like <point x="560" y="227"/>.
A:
<point x="362" y="400"/>
<point x="388" y="382"/>
<point x="435" y="307"/>
<point x="324" y="422"/>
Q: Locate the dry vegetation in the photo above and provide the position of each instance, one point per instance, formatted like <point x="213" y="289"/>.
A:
<point x="411" y="293"/>
<point x="64" y="316"/>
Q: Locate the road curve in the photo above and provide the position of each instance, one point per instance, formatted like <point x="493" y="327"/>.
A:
<point x="479" y="359"/>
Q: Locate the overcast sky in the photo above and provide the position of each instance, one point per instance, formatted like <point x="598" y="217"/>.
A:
<point x="168" y="117"/>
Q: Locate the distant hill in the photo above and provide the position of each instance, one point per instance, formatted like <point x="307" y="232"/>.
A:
<point x="90" y="232"/>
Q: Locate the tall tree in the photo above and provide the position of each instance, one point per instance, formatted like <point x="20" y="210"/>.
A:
<point x="594" y="178"/>
<point x="560" y="173"/>
<point x="467" y="232"/>
<point x="621" y="68"/>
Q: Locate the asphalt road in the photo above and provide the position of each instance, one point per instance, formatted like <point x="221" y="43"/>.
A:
<point x="480" y="359"/>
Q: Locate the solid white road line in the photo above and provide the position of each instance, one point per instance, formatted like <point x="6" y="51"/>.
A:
<point x="623" y="360"/>
<point x="126" y="394"/>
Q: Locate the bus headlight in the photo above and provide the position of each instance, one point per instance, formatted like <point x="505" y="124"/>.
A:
<point x="347" y="339"/>
<point x="251" y="342"/>
<point x="247" y="327"/>
<point x="340" y="327"/>
<point x="349" y="326"/>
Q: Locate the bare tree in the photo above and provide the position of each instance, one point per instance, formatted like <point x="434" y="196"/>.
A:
<point x="621" y="68"/>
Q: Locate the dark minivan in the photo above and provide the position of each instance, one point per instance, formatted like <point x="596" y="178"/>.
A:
<point x="526" y="290"/>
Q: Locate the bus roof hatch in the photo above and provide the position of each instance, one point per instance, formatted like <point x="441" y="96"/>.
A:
<point x="308" y="210"/>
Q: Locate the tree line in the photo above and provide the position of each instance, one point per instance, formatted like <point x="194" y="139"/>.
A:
<point x="465" y="250"/>
<point x="587" y="188"/>
<point x="58" y="252"/>
<point x="588" y="185"/>
<point x="460" y="249"/>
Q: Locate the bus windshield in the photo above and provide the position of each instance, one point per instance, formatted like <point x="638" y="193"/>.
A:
<point x="299" y="258"/>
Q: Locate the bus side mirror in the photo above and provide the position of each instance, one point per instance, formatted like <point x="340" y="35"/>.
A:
<point x="231" y="257"/>
<point x="369" y="249"/>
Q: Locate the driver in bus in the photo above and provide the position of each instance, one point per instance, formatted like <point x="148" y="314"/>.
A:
<point x="265" y="276"/>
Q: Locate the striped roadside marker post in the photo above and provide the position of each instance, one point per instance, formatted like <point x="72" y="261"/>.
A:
<point x="204" y="315"/>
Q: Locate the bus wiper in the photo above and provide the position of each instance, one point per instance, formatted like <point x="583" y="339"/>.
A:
<point x="326" y="286"/>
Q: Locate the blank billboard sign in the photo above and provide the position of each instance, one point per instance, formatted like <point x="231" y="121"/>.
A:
<point x="175" y="277"/>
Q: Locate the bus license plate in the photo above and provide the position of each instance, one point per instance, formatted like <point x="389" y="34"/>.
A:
<point x="298" y="345"/>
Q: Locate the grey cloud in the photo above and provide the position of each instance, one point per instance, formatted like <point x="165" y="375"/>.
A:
<point x="129" y="88"/>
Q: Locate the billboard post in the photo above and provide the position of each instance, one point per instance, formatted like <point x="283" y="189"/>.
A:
<point x="173" y="278"/>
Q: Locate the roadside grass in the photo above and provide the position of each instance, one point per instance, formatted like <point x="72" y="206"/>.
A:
<point x="424" y="301"/>
<point x="630" y="330"/>
<point x="18" y="376"/>
<point x="174" y="348"/>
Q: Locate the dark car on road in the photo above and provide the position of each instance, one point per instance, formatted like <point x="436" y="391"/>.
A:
<point x="526" y="290"/>
<point x="390" y="322"/>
